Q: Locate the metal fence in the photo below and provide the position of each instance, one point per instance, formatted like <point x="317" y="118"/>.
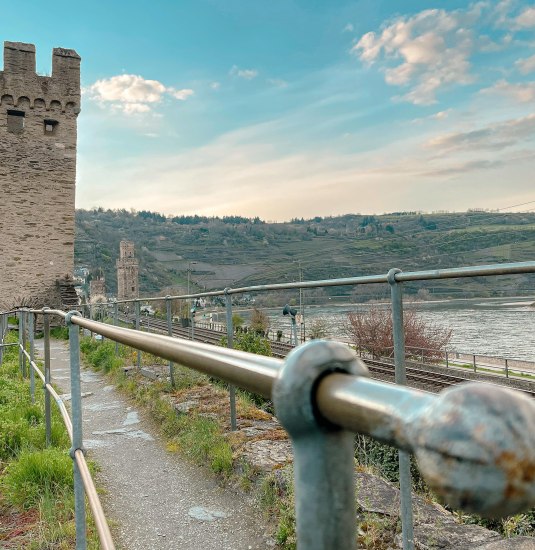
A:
<point x="475" y="443"/>
<point x="83" y="483"/>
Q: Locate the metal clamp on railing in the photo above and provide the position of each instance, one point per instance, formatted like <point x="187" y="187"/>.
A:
<point x="475" y="443"/>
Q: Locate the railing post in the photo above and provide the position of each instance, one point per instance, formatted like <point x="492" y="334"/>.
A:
<point x="475" y="367"/>
<point x="19" y="316"/>
<point x="447" y="364"/>
<point x="192" y="318"/>
<point x="169" y="315"/>
<point x="90" y="318"/>
<point x="401" y="378"/>
<point x="31" y="325"/>
<point x="506" y="368"/>
<point x="323" y="453"/>
<point x="48" y="416"/>
<point x="24" y="339"/>
<point x="116" y="323"/>
<point x="2" y="332"/>
<point x="138" y="318"/>
<point x="22" y="344"/>
<point x="230" y="344"/>
<point x="77" y="439"/>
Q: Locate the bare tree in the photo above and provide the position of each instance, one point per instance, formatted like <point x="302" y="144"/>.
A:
<point x="259" y="322"/>
<point x="371" y="332"/>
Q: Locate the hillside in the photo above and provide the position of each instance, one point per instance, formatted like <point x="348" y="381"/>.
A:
<point x="237" y="251"/>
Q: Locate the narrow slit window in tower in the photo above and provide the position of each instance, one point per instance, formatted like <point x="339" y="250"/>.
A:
<point x="51" y="127"/>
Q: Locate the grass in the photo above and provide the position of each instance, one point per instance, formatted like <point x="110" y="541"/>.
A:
<point x="202" y="435"/>
<point x="36" y="483"/>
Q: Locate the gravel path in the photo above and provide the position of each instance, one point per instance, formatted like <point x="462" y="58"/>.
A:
<point x="154" y="499"/>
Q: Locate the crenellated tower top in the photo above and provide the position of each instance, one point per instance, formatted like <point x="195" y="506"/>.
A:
<point x="20" y="85"/>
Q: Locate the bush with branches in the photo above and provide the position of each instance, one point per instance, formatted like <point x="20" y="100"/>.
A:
<point x="259" y="322"/>
<point x="371" y="332"/>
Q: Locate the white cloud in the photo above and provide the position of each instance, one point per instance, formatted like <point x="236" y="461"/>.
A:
<point x="521" y="92"/>
<point x="215" y="85"/>
<point x="247" y="74"/>
<point x="132" y="94"/>
<point x="348" y="28"/>
<point x="526" y="65"/>
<point x="132" y="108"/>
<point x="526" y="20"/>
<point x="429" y="50"/>
<point x="181" y="95"/>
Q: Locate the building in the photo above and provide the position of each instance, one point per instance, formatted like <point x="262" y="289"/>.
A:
<point x="38" y="118"/>
<point x="97" y="287"/>
<point x="127" y="272"/>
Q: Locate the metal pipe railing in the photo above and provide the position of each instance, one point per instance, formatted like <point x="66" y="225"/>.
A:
<point x="462" y="438"/>
<point x="514" y="268"/>
<point x="392" y="414"/>
<point x="84" y="486"/>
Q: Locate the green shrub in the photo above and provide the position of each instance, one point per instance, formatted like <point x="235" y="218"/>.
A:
<point x="48" y="471"/>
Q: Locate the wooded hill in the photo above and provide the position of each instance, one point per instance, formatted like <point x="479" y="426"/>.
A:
<point x="238" y="251"/>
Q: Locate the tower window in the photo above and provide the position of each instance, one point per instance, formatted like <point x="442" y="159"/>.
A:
<point x="51" y="127"/>
<point x="15" y="121"/>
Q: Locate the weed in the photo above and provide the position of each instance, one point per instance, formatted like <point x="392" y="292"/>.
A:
<point x="48" y="471"/>
<point x="36" y="495"/>
<point x="60" y="333"/>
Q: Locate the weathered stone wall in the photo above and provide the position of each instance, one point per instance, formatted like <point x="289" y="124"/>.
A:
<point x="97" y="287"/>
<point x="37" y="174"/>
<point x="127" y="272"/>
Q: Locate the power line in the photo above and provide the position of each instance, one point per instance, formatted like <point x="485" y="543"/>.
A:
<point x="515" y="205"/>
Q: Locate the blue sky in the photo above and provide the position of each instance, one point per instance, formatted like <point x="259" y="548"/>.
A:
<point x="287" y="108"/>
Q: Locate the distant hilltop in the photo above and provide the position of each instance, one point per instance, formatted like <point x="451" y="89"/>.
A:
<point x="237" y="251"/>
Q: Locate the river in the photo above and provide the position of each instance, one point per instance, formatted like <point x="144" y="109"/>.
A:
<point x="503" y="327"/>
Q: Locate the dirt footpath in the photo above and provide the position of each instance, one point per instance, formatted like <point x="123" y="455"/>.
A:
<point x="154" y="499"/>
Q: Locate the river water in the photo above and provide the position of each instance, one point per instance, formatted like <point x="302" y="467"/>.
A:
<point x="501" y="327"/>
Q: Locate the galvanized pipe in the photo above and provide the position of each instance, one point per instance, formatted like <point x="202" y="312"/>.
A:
<point x="31" y="322"/>
<point x="138" y="318"/>
<point x="116" y="323"/>
<point x="48" y="416"/>
<point x="405" y="483"/>
<point x="21" y="347"/>
<point x="2" y="332"/>
<point x="77" y="437"/>
<point x="106" y="541"/>
<point x="169" y="315"/>
<point x="375" y="416"/>
<point x="513" y="268"/>
<point x="230" y="345"/>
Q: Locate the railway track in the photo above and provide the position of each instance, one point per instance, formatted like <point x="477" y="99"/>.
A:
<point x="425" y="380"/>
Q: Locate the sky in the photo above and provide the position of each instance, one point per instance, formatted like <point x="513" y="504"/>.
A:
<point x="297" y="108"/>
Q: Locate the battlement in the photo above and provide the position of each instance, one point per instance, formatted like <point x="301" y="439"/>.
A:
<point x="20" y="84"/>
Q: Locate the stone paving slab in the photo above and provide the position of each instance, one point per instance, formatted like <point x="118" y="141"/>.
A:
<point x="154" y="499"/>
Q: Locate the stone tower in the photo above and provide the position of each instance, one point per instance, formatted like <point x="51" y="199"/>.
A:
<point x="127" y="272"/>
<point x="97" y="286"/>
<point x="37" y="177"/>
